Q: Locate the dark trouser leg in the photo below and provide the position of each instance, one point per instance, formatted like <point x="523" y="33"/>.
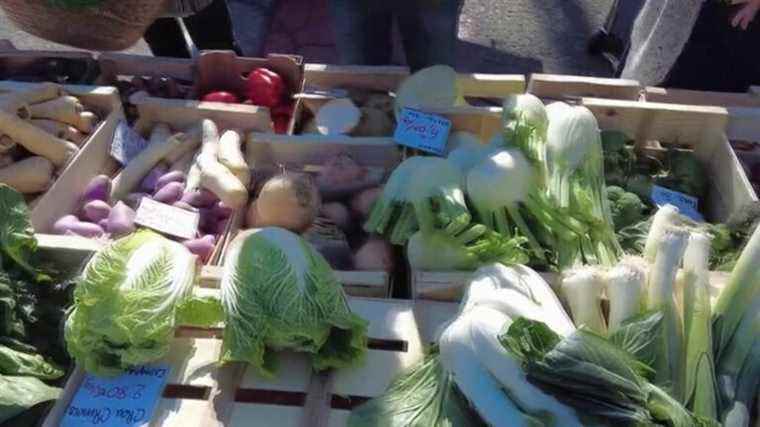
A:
<point x="362" y="31"/>
<point x="442" y="24"/>
<point x="211" y="28"/>
<point x="165" y="39"/>
<point x="251" y="20"/>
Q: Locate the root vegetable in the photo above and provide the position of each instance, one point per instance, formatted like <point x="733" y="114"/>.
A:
<point x="60" y="130"/>
<point x="70" y="224"/>
<point x="380" y="101"/>
<point x="252" y="216"/>
<point x="103" y="223"/>
<point x="193" y="176"/>
<point x="362" y="203"/>
<point x="184" y="205"/>
<point x="338" y="116"/>
<point x="149" y="184"/>
<point x="169" y="193"/>
<point x="190" y="143"/>
<point x="133" y="199"/>
<point x="374" y="122"/>
<point x="221" y="226"/>
<point x="183" y="163"/>
<point x="133" y="172"/>
<point x="338" y="214"/>
<point x="289" y="200"/>
<point x="6" y="144"/>
<point x="221" y="211"/>
<point x="121" y="221"/>
<point x="342" y="177"/>
<point x="99" y="188"/>
<point x="203" y="247"/>
<point x="199" y="198"/>
<point x="28" y="176"/>
<point x="375" y="255"/>
<point x="231" y="156"/>
<point x="66" y="109"/>
<point x="87" y="122"/>
<point x="11" y="102"/>
<point x="215" y="177"/>
<point x="37" y="140"/>
<point x="6" y="160"/>
<point x="96" y="210"/>
<point x="173" y="176"/>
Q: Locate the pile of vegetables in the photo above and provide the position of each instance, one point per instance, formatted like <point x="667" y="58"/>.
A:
<point x="327" y="207"/>
<point x="41" y="130"/>
<point x="172" y="169"/>
<point x="33" y="358"/>
<point x="269" y="269"/>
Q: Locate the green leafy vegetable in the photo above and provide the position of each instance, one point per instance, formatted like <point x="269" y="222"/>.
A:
<point x="595" y="377"/>
<point x="125" y="307"/>
<point x="626" y="208"/>
<point x="425" y="396"/>
<point x="14" y="362"/>
<point x="279" y="293"/>
<point x="17" y="242"/>
<point x="17" y="394"/>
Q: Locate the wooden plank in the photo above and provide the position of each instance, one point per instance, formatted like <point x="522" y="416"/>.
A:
<point x="480" y="85"/>
<point x="698" y="97"/>
<point x="559" y="86"/>
<point x="113" y="65"/>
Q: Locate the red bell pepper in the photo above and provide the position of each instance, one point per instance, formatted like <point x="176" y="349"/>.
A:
<point x="265" y="87"/>
<point x="221" y="96"/>
<point x="280" y="123"/>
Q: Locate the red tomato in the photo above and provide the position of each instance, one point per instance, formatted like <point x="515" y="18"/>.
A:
<point x="221" y="96"/>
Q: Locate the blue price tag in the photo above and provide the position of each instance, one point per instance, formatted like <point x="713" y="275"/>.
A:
<point x="126" y="144"/>
<point x="687" y="205"/>
<point x="128" y="400"/>
<point x="423" y="131"/>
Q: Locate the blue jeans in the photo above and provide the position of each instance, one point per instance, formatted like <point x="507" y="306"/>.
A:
<point x="251" y="20"/>
<point x="428" y="30"/>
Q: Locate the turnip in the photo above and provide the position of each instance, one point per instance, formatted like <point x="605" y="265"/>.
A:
<point x="70" y="224"/>
<point x="338" y="116"/>
<point x="289" y="200"/>
<point x="203" y="247"/>
<point x="99" y="188"/>
<point x="149" y="183"/>
<point x="199" y="198"/>
<point x="361" y="204"/>
<point x="380" y="101"/>
<point x="121" y="221"/>
<point x="373" y="122"/>
<point x="173" y="176"/>
<point x="375" y="255"/>
<point x="169" y="193"/>
<point x="339" y="170"/>
<point x="338" y="214"/>
<point x="96" y="210"/>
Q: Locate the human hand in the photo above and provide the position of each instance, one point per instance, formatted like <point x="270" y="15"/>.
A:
<point x="746" y="14"/>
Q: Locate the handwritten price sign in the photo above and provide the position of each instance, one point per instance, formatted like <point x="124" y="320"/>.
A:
<point x="167" y="219"/>
<point x="125" y="401"/>
<point x="126" y="143"/>
<point x="687" y="205"/>
<point x="423" y="131"/>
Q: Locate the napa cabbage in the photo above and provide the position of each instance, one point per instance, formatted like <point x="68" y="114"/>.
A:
<point x="279" y="293"/>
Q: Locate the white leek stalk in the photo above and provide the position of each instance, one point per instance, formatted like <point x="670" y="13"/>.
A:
<point x="624" y="286"/>
<point x="666" y="216"/>
<point x="582" y="288"/>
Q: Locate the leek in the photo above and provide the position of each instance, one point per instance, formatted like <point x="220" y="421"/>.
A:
<point x="624" y="286"/>
<point x="582" y="288"/>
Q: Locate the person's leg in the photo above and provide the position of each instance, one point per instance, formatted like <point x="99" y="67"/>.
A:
<point x="442" y="24"/>
<point x="362" y="31"/>
<point x="165" y="39"/>
<point x="415" y="37"/>
<point x="211" y="28"/>
<point x="251" y="20"/>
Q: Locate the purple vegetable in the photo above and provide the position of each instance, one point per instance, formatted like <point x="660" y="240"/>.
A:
<point x="200" y="198"/>
<point x="99" y="188"/>
<point x="149" y="184"/>
<point x="169" y="193"/>
<point x="185" y="206"/>
<point x="96" y="210"/>
<point x="207" y="220"/>
<point x="221" y="225"/>
<point x="121" y="220"/>
<point x="202" y="247"/>
<point x="103" y="223"/>
<point x="133" y="199"/>
<point x="70" y="224"/>
<point x="173" y="176"/>
<point x="221" y="211"/>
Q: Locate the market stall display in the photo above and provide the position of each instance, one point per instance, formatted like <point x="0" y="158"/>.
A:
<point x="563" y="87"/>
<point x="63" y="67"/>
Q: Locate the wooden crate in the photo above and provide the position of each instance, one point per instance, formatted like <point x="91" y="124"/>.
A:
<point x="565" y="87"/>
<point x="103" y="101"/>
<point x="201" y="393"/>
<point x="95" y="159"/>
<point x="81" y="67"/>
<point x="699" y="126"/>
<point x="319" y="78"/>
<point x="306" y="151"/>
<point x="743" y="108"/>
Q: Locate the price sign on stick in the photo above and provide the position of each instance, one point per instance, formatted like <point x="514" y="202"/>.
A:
<point x="167" y="219"/>
<point x="423" y="131"/>
<point x="126" y="143"/>
<point x="128" y="400"/>
<point x="687" y="205"/>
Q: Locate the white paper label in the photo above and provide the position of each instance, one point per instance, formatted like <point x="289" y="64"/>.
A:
<point x="167" y="219"/>
<point x="423" y="131"/>
<point x="126" y="144"/>
<point x="687" y="205"/>
<point x="128" y="400"/>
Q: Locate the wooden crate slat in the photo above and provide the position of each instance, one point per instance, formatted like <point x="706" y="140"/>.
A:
<point x="193" y="361"/>
<point x="113" y="65"/>
<point x="559" y="86"/>
<point x="248" y="414"/>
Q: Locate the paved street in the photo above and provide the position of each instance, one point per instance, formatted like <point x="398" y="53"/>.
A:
<point x="507" y="36"/>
